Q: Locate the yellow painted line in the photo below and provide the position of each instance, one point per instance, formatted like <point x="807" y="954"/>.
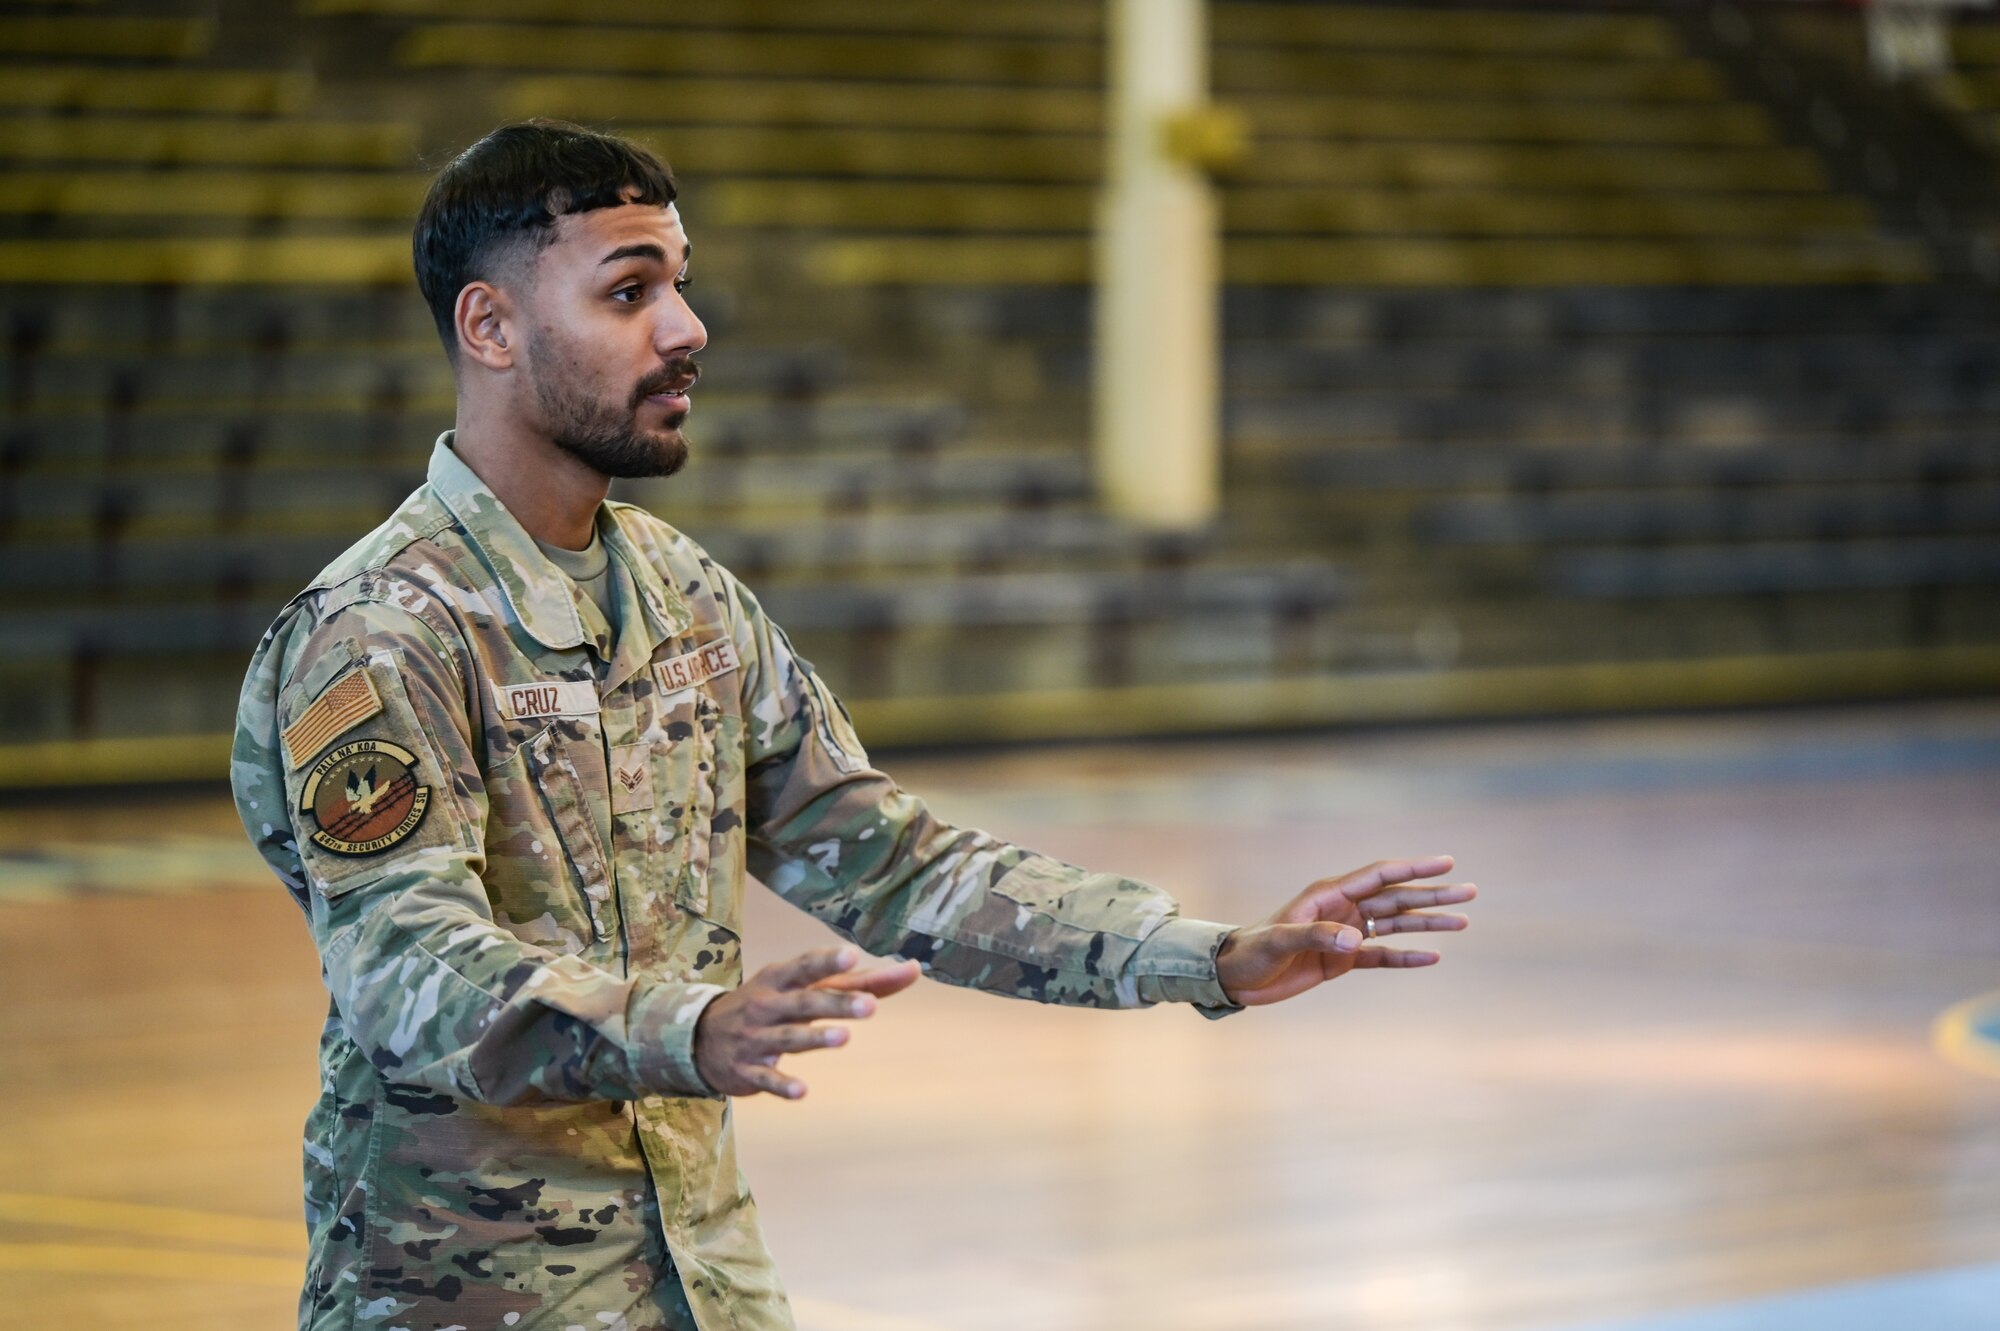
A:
<point x="87" y="1259"/>
<point x="114" y="761"/>
<point x="53" y="871"/>
<point x="157" y="1222"/>
<point x="1420" y="695"/>
<point x="298" y="260"/>
<point x="1957" y="1038"/>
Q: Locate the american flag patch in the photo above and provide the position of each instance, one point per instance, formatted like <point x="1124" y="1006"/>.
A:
<point x="346" y="705"/>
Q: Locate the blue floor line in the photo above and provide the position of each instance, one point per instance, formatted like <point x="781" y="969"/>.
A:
<point x="1963" y="1299"/>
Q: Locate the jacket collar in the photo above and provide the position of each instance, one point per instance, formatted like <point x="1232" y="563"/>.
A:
<point x="544" y="601"/>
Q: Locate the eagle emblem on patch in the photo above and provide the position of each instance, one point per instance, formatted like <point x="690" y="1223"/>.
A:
<point x="363" y="797"/>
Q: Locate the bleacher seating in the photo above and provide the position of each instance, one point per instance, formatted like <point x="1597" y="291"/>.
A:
<point x="1547" y="345"/>
<point x="1513" y="135"/>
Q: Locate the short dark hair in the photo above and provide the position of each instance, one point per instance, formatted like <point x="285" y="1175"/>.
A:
<point x="509" y="188"/>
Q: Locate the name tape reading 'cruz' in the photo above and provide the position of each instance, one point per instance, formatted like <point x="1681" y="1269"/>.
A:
<point x="555" y="697"/>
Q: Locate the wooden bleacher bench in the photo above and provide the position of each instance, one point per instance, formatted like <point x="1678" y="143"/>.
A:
<point x="362" y="197"/>
<point x="1388" y="262"/>
<point x="701" y="100"/>
<point x="1778" y="567"/>
<point x="1042" y="600"/>
<point x="200" y="141"/>
<point x="1526" y="119"/>
<point x="1494" y="32"/>
<point x="72" y="88"/>
<point x="721" y="53"/>
<point x="1697" y="514"/>
<point x="1382" y="469"/>
<point x="1033" y="18"/>
<point x="288" y="261"/>
<point x="104" y="37"/>
<point x="1240" y="69"/>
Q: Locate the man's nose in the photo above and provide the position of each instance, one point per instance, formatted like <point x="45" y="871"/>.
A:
<point x="681" y="332"/>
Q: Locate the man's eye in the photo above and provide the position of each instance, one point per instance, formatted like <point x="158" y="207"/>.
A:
<point x="633" y="292"/>
<point x="683" y="283"/>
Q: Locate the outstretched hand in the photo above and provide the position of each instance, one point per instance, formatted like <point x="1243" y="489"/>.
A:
<point x="742" y="1034"/>
<point x="1321" y="934"/>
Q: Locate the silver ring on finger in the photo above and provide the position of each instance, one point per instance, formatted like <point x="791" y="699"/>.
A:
<point x="1368" y="922"/>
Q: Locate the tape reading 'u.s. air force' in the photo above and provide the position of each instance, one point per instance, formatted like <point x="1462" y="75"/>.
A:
<point x="692" y="668"/>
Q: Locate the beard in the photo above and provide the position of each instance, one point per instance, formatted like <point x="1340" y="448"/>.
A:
<point x="604" y="436"/>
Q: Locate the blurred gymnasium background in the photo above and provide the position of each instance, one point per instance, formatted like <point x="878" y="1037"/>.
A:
<point x="1574" y="359"/>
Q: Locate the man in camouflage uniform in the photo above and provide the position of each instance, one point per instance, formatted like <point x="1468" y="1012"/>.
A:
<point x="518" y="808"/>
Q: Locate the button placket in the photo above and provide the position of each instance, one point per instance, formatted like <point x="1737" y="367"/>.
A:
<point x="633" y="797"/>
<point x="564" y="793"/>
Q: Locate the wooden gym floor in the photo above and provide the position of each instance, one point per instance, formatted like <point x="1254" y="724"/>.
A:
<point x="1685" y="1059"/>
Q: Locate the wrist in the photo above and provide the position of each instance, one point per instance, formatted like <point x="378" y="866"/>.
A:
<point x="671" y="1015"/>
<point x="1177" y="962"/>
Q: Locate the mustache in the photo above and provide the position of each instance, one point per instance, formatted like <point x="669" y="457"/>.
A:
<point x="676" y="376"/>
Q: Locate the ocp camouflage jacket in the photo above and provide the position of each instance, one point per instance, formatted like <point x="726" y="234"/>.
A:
<point x="521" y="838"/>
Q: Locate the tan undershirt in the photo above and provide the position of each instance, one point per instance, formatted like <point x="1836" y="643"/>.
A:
<point x="589" y="568"/>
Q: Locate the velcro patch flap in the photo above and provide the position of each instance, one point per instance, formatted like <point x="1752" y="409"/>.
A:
<point x="351" y="700"/>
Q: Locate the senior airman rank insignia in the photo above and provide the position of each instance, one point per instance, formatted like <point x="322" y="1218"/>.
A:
<point x="363" y="797"/>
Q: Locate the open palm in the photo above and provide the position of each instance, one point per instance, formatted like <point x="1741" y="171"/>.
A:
<point x="1321" y="934"/>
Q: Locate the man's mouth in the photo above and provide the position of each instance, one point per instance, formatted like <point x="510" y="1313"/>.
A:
<point x="672" y="393"/>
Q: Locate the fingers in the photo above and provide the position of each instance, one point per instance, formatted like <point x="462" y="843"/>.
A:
<point x="808" y="967"/>
<point x="1417" y="922"/>
<point x="807" y="1004"/>
<point x="1416" y="898"/>
<point x="1392" y="958"/>
<point x="882" y="982"/>
<point x="1322" y="936"/>
<point x="1383" y="873"/>
<point x="770" y="1079"/>
<point x="742" y="1034"/>
<point x="797" y="1039"/>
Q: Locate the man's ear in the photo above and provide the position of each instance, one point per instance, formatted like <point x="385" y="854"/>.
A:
<point x="486" y="324"/>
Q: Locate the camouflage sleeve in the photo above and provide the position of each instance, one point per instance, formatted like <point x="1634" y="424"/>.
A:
<point x="839" y="839"/>
<point x="378" y="828"/>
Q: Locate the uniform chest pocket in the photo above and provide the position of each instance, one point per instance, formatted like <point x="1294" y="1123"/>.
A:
<point x="562" y="761"/>
<point x="684" y="790"/>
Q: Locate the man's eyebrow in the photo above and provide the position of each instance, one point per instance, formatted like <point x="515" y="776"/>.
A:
<point x="645" y="251"/>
